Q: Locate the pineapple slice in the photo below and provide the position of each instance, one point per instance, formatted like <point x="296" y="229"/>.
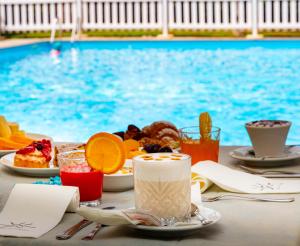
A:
<point x="5" y="131"/>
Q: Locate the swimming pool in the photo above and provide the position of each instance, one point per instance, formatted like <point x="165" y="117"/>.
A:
<point x="104" y="86"/>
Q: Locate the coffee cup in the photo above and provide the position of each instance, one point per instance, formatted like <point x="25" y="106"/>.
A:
<point x="268" y="137"/>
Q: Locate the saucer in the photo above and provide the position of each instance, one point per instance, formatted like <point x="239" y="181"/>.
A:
<point x="181" y="230"/>
<point x="246" y="154"/>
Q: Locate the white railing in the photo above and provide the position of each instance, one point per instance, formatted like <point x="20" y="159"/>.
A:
<point x="121" y="14"/>
<point x="210" y="14"/>
<point x="37" y="15"/>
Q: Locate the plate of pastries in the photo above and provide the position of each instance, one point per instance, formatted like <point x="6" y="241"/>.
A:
<point x="36" y="154"/>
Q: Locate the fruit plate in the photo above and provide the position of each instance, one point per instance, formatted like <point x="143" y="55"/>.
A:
<point x="8" y="162"/>
<point x="31" y="135"/>
<point x="119" y="181"/>
<point x="180" y="231"/>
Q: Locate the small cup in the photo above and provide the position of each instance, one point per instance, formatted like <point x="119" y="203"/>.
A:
<point x="268" y="137"/>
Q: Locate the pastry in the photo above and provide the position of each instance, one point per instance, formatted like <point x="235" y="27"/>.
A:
<point x="35" y="155"/>
<point x="160" y="132"/>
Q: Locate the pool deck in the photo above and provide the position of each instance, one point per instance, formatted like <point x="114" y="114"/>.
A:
<point x="6" y="43"/>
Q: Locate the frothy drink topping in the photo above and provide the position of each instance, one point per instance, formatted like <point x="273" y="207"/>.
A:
<point x="162" y="166"/>
<point x="268" y="123"/>
<point x="162" y="157"/>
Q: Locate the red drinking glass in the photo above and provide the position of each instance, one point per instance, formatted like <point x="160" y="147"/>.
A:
<point x="74" y="171"/>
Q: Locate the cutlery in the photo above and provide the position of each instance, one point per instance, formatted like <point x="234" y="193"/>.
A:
<point x="250" y="198"/>
<point x="73" y="230"/>
<point x="77" y="227"/>
<point x="196" y="212"/>
<point x="93" y="233"/>
<point x="272" y="173"/>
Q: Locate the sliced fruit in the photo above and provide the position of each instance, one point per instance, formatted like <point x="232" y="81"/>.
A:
<point x="21" y="139"/>
<point x="21" y="133"/>
<point x="131" y="144"/>
<point x="14" y="127"/>
<point x="105" y="152"/>
<point x="9" y="144"/>
<point x="205" y="125"/>
<point x="5" y="131"/>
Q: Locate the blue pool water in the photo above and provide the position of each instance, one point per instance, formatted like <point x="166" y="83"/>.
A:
<point x="104" y="86"/>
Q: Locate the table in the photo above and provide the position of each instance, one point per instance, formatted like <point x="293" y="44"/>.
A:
<point x="242" y="223"/>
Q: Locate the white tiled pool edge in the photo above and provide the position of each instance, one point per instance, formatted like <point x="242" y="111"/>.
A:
<point x="6" y="43"/>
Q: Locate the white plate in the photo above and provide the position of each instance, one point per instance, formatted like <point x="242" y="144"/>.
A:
<point x="244" y="154"/>
<point x="177" y="231"/>
<point x="118" y="181"/>
<point x="8" y="162"/>
<point x="30" y="135"/>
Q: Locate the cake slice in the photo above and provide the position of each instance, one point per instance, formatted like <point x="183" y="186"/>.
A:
<point x="35" y="155"/>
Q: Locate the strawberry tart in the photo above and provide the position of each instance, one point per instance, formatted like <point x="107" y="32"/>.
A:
<point x="35" y="155"/>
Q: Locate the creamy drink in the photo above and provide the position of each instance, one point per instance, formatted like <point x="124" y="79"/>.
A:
<point x="162" y="184"/>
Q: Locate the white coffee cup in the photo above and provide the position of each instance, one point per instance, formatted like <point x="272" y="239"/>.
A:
<point x="268" y="137"/>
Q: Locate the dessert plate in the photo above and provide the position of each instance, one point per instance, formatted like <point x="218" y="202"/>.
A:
<point x="119" y="181"/>
<point x="247" y="154"/>
<point x="31" y="135"/>
<point x="180" y="230"/>
<point x="8" y="162"/>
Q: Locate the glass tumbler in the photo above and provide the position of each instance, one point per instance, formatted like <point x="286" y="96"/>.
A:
<point x="74" y="171"/>
<point x="162" y="185"/>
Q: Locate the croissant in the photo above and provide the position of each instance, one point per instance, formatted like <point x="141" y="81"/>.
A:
<point x="161" y="132"/>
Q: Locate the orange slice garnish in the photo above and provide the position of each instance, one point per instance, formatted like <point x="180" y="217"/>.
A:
<point x="131" y="145"/>
<point x="205" y="125"/>
<point x="105" y="152"/>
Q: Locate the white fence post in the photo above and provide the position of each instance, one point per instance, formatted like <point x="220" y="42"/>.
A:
<point x="254" y="20"/>
<point x="165" y="19"/>
<point x="1" y="18"/>
<point x="78" y="24"/>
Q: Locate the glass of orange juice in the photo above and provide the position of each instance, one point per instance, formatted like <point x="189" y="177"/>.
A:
<point x="200" y="147"/>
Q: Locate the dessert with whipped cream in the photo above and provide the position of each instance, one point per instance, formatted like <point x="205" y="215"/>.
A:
<point x="162" y="184"/>
<point x="35" y="155"/>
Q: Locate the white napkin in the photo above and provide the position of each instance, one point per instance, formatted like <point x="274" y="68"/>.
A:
<point x="32" y="210"/>
<point x="241" y="182"/>
<point x="203" y="182"/>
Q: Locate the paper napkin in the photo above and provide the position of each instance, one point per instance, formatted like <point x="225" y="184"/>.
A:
<point x="240" y="182"/>
<point x="32" y="210"/>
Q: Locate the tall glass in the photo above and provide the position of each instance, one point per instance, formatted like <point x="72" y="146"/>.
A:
<point x="74" y="171"/>
<point x="200" y="147"/>
<point x="162" y="185"/>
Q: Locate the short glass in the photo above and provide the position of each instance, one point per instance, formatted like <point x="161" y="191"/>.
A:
<point x="162" y="185"/>
<point x="74" y="171"/>
<point x="200" y="148"/>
